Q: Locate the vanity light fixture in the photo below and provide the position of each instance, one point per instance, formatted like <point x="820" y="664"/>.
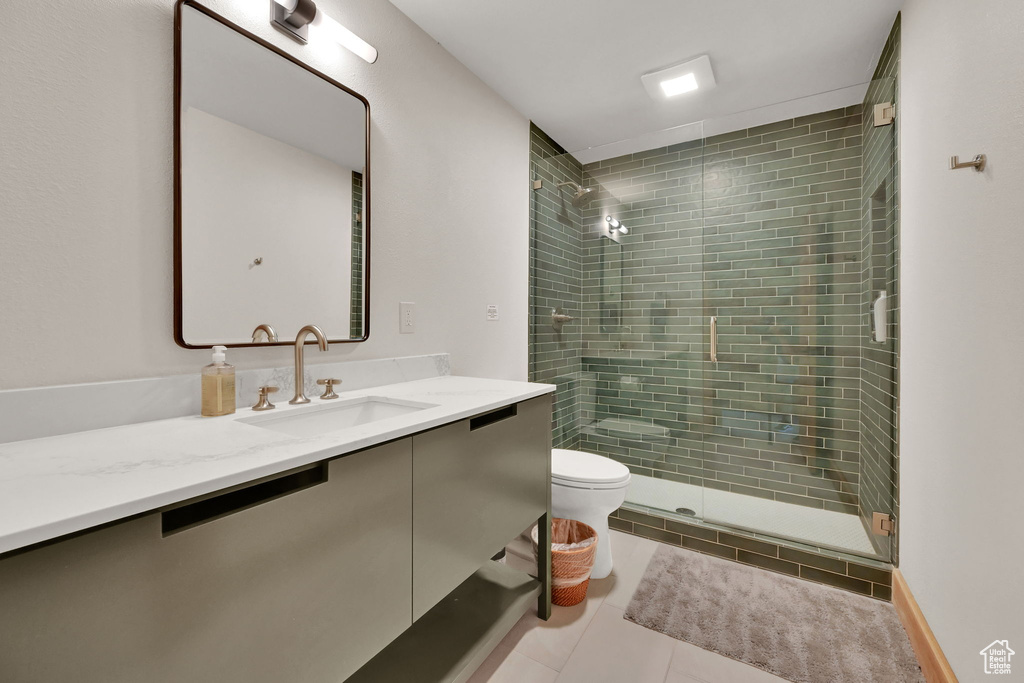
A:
<point x="297" y="17"/>
<point x="693" y="74"/>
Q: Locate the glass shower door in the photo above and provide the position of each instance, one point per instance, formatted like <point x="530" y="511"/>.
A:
<point x="642" y="354"/>
<point x="799" y="250"/>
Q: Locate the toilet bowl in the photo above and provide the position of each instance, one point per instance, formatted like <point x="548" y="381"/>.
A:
<point x="588" y="487"/>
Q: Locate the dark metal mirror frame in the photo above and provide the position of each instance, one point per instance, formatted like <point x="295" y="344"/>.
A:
<point x="178" y="312"/>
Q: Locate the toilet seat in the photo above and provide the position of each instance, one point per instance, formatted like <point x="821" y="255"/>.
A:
<point x="578" y="469"/>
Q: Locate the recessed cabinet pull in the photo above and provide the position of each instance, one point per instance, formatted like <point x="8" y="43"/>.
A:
<point x="209" y="509"/>
<point x="493" y="416"/>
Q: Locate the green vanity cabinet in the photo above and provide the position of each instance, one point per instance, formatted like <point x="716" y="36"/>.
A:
<point x="477" y="484"/>
<point x="336" y="570"/>
<point x="304" y="587"/>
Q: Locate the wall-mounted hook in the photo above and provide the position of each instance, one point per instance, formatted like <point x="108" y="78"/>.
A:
<point x="978" y="163"/>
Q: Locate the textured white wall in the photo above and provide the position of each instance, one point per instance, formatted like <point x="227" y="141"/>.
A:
<point x="86" y="202"/>
<point x="962" y="308"/>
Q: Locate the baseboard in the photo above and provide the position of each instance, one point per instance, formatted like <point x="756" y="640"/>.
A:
<point x="929" y="655"/>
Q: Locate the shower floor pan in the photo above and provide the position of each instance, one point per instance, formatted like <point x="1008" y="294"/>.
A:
<point x="785" y="520"/>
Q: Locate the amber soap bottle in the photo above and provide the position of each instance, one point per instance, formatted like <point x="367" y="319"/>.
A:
<point x="218" y="385"/>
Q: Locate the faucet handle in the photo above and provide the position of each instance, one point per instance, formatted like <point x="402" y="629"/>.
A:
<point x="329" y="391"/>
<point x="264" y="402"/>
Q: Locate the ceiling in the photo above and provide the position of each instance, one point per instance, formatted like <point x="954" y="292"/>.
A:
<point x="574" y="66"/>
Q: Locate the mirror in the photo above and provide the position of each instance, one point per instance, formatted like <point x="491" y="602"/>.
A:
<point x="271" y="191"/>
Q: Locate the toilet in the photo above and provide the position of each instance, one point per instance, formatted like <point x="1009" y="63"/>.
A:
<point x="588" y="487"/>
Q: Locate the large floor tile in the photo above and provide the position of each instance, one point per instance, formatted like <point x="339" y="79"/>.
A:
<point x="627" y="572"/>
<point x="551" y="642"/>
<point x="622" y="544"/>
<point x="615" y="650"/>
<point x="710" y="667"/>
<point x="505" y="665"/>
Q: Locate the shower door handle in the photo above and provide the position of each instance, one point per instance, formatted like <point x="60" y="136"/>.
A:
<point x="714" y="339"/>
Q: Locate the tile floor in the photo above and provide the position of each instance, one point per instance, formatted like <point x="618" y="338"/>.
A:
<point x="592" y="643"/>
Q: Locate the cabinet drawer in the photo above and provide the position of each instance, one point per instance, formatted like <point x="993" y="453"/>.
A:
<point x="306" y="585"/>
<point x="476" y="485"/>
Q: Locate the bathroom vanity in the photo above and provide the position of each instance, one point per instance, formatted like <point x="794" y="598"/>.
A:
<point x="277" y="546"/>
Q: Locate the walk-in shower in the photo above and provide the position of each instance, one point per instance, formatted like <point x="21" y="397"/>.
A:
<point x="784" y="235"/>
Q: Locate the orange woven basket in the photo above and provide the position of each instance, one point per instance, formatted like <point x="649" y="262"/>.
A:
<point x="571" y="567"/>
<point x="567" y="597"/>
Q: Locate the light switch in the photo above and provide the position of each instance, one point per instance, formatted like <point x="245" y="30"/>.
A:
<point x="492" y="312"/>
<point x="406" y="317"/>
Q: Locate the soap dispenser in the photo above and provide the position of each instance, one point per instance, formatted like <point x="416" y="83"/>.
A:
<point x="218" y="385"/>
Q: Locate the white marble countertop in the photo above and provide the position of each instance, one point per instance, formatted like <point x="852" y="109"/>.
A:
<point x="58" y="485"/>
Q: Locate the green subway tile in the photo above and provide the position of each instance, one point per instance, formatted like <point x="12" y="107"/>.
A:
<point x="748" y="544"/>
<point x="767" y="562"/>
<point x="692" y="530"/>
<point x="825" y="563"/>
<point x="657" y="534"/>
<point x="870" y="574"/>
<point x="836" y="580"/>
<point x="640" y="518"/>
<point x="620" y="524"/>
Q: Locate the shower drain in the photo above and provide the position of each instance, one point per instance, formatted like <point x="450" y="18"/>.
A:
<point x="686" y="511"/>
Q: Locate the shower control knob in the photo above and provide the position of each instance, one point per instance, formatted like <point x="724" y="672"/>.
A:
<point x="558" y="318"/>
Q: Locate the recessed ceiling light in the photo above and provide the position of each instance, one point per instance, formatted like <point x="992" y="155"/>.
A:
<point x="679" y="85"/>
<point x="693" y="74"/>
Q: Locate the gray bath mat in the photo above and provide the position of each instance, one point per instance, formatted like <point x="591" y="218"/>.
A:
<point x="795" y="629"/>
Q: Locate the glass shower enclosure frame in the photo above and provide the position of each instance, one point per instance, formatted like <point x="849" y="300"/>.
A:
<point x="721" y="315"/>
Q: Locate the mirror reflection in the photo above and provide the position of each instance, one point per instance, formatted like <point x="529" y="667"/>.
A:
<point x="272" y="188"/>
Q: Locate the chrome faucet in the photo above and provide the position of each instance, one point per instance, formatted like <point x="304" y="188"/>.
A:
<point x="265" y="328"/>
<point x="300" y="395"/>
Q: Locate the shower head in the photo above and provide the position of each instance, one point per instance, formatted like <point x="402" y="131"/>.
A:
<point x="581" y="195"/>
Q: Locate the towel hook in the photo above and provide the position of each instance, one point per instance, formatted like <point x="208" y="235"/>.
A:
<point x="978" y="163"/>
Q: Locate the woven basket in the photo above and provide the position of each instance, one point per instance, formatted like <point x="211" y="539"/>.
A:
<point x="570" y="569"/>
<point x="573" y="595"/>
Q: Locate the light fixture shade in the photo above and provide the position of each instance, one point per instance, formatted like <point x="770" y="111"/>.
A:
<point x="671" y="82"/>
<point x="323" y="24"/>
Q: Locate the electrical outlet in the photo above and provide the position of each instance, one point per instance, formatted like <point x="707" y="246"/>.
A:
<point x="492" y="312"/>
<point x="406" y="317"/>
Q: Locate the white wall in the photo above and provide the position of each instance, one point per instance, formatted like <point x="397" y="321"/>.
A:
<point x="962" y="308"/>
<point x="86" y="203"/>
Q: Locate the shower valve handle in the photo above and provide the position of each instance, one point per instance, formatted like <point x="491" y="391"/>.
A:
<point x="558" y="319"/>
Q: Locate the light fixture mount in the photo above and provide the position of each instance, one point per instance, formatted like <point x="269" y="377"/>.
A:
<point x="295" y="22"/>
<point x="295" y="17"/>
<point x="689" y="76"/>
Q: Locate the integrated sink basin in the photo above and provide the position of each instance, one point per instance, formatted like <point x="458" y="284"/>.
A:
<point x="346" y="413"/>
